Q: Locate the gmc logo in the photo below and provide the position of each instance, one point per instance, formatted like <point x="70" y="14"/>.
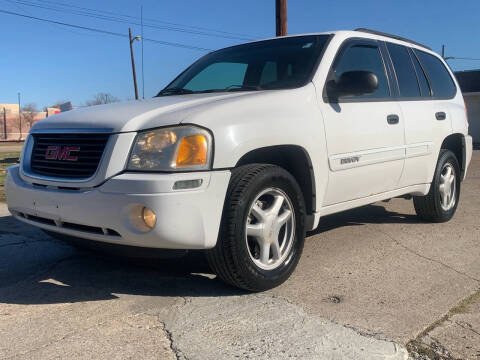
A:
<point x="57" y="152"/>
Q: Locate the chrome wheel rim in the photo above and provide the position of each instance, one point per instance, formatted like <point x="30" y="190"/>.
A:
<point x="448" y="187"/>
<point x="270" y="228"/>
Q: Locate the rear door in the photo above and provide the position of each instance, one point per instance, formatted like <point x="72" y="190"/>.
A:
<point x="365" y="134"/>
<point x="423" y="98"/>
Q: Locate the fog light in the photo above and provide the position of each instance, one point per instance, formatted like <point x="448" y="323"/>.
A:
<point x="149" y="217"/>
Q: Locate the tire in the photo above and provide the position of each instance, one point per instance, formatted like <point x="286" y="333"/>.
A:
<point x="433" y="207"/>
<point x="251" y="262"/>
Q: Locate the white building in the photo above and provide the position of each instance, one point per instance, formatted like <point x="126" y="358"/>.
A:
<point x="470" y="84"/>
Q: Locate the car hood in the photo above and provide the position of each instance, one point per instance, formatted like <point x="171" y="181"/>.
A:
<point x="133" y="115"/>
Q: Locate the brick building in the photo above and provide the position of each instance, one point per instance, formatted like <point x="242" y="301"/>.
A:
<point x="10" y="123"/>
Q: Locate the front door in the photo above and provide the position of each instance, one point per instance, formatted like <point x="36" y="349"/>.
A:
<point x="365" y="134"/>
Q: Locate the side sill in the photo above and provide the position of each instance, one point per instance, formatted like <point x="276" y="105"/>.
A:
<point x="419" y="190"/>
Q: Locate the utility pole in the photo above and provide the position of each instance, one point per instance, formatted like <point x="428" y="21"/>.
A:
<point x="143" y="73"/>
<point x="281" y="17"/>
<point x="133" y="60"/>
<point x="19" y="117"/>
<point x="5" y="123"/>
<point x="456" y="57"/>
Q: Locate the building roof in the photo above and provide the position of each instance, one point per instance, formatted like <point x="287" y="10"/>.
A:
<point x="469" y="80"/>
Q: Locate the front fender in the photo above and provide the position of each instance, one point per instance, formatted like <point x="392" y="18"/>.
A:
<point x="265" y="119"/>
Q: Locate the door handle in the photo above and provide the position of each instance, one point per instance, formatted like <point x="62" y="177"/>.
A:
<point x="441" y="115"/>
<point x="393" y="119"/>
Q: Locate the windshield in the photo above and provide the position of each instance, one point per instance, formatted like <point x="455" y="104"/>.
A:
<point x="271" y="64"/>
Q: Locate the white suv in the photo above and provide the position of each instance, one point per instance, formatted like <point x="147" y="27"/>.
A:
<point x="249" y="147"/>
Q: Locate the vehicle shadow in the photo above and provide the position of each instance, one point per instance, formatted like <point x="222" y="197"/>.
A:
<point x="369" y="214"/>
<point x="37" y="269"/>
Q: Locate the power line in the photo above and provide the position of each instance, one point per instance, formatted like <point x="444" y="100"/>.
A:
<point x="54" y="25"/>
<point x="106" y="32"/>
<point x="461" y="58"/>
<point x="120" y="20"/>
<point x="153" y="20"/>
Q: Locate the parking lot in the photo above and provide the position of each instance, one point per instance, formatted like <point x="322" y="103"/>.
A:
<point x="372" y="282"/>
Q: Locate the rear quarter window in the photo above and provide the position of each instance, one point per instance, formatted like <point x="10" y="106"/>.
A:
<point x="424" y="86"/>
<point x="440" y="79"/>
<point x="406" y="76"/>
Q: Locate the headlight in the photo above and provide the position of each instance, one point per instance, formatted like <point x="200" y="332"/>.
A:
<point x="171" y="149"/>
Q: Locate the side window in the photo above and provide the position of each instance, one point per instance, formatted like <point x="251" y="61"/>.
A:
<point x="364" y="58"/>
<point x="440" y="79"/>
<point x="422" y="79"/>
<point x="218" y="76"/>
<point x="407" y="79"/>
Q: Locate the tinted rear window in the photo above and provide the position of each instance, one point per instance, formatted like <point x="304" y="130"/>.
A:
<point x="422" y="79"/>
<point x="441" y="81"/>
<point x="407" y="79"/>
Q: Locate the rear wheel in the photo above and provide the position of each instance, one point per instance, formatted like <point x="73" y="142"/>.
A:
<point x="440" y="204"/>
<point x="263" y="228"/>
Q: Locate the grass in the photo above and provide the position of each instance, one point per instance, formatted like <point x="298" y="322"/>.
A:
<point x="10" y="143"/>
<point x="430" y="351"/>
<point x="463" y="306"/>
<point x="6" y="160"/>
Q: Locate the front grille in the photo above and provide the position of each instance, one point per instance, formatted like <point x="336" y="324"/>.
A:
<point x="70" y="226"/>
<point x="49" y="156"/>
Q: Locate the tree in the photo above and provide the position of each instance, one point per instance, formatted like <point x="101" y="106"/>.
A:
<point x="102" y="98"/>
<point x="29" y="112"/>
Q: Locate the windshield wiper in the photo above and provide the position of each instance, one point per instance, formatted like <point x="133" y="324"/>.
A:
<point x="183" y="91"/>
<point x="175" y="91"/>
<point x="242" y="87"/>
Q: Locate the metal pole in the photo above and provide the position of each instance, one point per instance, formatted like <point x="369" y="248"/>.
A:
<point x="19" y="117"/>
<point x="133" y="63"/>
<point x="143" y="76"/>
<point x="5" y="123"/>
<point x="443" y="51"/>
<point x="281" y="17"/>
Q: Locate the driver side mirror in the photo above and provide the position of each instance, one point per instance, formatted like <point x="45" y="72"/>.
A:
<point x="353" y="83"/>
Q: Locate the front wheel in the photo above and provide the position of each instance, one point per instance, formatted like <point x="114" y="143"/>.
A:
<point x="263" y="228"/>
<point x="440" y="204"/>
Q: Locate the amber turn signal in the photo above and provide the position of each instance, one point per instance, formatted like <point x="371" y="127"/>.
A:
<point x="193" y="150"/>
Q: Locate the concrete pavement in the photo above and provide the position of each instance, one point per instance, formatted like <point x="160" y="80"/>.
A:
<point x="371" y="281"/>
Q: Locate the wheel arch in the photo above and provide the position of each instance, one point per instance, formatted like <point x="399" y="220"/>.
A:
<point x="294" y="159"/>
<point x="456" y="143"/>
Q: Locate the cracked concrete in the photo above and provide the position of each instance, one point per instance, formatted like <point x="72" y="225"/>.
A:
<point x="173" y="348"/>
<point x="454" y="336"/>
<point x="266" y="327"/>
<point x="370" y="281"/>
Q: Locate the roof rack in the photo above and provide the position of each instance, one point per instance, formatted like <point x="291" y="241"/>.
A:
<point x="375" y="32"/>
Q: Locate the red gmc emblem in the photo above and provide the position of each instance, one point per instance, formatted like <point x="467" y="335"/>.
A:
<point x="57" y="152"/>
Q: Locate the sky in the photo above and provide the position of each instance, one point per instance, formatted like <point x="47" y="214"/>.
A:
<point x="48" y="63"/>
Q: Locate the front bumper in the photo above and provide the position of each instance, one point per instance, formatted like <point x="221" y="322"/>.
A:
<point x="186" y="219"/>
